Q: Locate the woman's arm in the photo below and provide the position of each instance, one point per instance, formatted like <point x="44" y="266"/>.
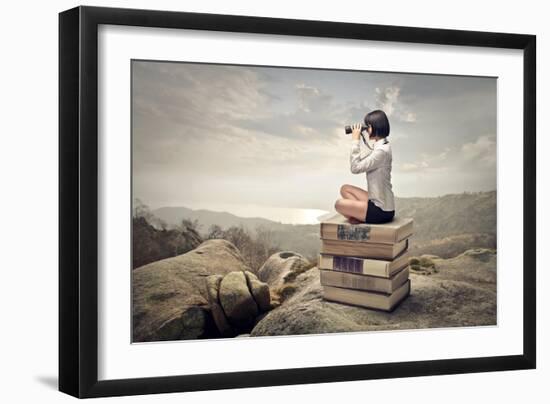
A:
<point x="367" y="163"/>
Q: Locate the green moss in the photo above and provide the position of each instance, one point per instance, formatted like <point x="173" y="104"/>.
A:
<point x="426" y="262"/>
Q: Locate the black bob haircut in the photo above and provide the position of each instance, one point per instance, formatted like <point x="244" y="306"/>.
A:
<point x="379" y="122"/>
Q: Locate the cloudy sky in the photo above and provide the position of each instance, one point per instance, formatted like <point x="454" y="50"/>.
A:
<point x="217" y="136"/>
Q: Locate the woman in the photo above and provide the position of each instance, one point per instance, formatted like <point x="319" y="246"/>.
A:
<point x="376" y="205"/>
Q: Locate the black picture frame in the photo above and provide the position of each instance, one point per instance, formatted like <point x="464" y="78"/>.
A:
<point x="78" y="200"/>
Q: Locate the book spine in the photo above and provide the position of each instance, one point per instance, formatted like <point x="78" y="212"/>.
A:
<point x="353" y="233"/>
<point x="364" y="250"/>
<point x="348" y="232"/>
<point x="354" y="265"/>
<point x="357" y="297"/>
<point x="325" y="262"/>
<point x="366" y="234"/>
<point x="348" y="264"/>
<point x="376" y="268"/>
<point x="356" y="281"/>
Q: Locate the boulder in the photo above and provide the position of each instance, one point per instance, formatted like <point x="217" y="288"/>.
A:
<point x="475" y="266"/>
<point x="259" y="290"/>
<point x="191" y="323"/>
<point x="461" y="293"/>
<point x="221" y="321"/>
<point x="236" y="299"/>
<point x="169" y="297"/>
<point x="282" y="267"/>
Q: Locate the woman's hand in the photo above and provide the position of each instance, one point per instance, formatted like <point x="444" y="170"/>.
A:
<point x="356" y="131"/>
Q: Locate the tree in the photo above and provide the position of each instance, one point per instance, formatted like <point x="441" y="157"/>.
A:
<point x="215" y="231"/>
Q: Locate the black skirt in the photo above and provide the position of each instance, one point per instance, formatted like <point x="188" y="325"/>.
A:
<point x="377" y="215"/>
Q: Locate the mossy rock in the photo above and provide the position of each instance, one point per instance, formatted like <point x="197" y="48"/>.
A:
<point x="426" y="262"/>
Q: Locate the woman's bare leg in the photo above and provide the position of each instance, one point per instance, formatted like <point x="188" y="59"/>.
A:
<point x="352" y="209"/>
<point x="354" y="193"/>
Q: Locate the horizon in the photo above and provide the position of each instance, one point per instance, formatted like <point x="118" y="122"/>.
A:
<point x="179" y="205"/>
<point x="270" y="136"/>
<point x="279" y="214"/>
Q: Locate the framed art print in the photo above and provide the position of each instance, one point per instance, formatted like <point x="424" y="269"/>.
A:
<point x="250" y="201"/>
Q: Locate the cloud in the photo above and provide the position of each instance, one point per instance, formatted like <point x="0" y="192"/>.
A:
<point x="471" y="156"/>
<point x="194" y="94"/>
<point x="482" y="150"/>
<point x="316" y="115"/>
<point x="226" y="118"/>
<point x="427" y="162"/>
<point x="408" y="167"/>
<point x="388" y="100"/>
<point x="233" y="133"/>
<point x="409" y="117"/>
<point x="311" y="98"/>
<point x="177" y="105"/>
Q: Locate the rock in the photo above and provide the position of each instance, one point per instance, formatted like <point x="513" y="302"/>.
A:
<point x="462" y="293"/>
<point x="282" y="267"/>
<point x="452" y="245"/>
<point x="259" y="291"/>
<point x="279" y="272"/>
<point x="170" y="330"/>
<point x="476" y="266"/>
<point x="221" y="321"/>
<point x="274" y="304"/>
<point x="482" y="254"/>
<point x="236" y="300"/>
<point x="189" y="323"/>
<point x="169" y="296"/>
<point x="430" y="257"/>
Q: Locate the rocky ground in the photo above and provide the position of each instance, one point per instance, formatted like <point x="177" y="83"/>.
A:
<point x="209" y="293"/>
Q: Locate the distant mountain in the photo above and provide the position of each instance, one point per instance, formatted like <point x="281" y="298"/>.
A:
<point x="206" y="218"/>
<point x="445" y="225"/>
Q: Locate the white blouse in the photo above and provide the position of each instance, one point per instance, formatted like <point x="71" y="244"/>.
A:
<point x="377" y="164"/>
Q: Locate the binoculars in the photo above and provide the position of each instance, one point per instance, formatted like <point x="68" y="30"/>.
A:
<point x="348" y="129"/>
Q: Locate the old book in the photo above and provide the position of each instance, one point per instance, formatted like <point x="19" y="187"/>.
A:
<point x="373" y="300"/>
<point x="365" y="266"/>
<point x="338" y="227"/>
<point x="363" y="250"/>
<point x="364" y="282"/>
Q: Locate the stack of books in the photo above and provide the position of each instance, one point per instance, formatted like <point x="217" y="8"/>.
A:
<point x="365" y="264"/>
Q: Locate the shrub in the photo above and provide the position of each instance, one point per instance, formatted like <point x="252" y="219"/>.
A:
<point x="255" y="250"/>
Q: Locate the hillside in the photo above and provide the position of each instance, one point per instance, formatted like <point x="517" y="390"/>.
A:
<point x="452" y="214"/>
<point x="206" y="218"/>
<point x="445" y="225"/>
